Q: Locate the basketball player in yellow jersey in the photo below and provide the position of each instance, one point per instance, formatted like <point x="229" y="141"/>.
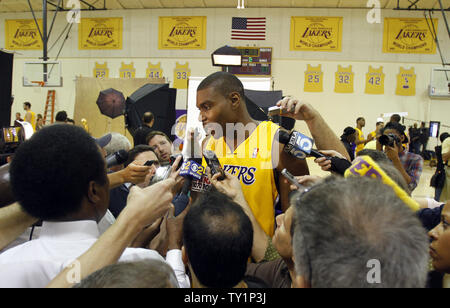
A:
<point x="360" y="141"/>
<point x="256" y="158"/>
<point x="30" y="116"/>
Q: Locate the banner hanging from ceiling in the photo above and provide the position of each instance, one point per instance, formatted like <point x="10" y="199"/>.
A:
<point x="100" y="33"/>
<point x="409" y="35"/>
<point x="316" y="33"/>
<point x="23" y="34"/>
<point x="182" y="32"/>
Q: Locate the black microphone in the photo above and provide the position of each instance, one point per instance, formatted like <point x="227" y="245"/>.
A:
<point x="117" y="158"/>
<point x="214" y="164"/>
<point x="301" y="146"/>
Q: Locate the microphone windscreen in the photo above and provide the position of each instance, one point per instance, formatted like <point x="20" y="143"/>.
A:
<point x="282" y="136"/>
<point x="117" y="158"/>
<point x="122" y="156"/>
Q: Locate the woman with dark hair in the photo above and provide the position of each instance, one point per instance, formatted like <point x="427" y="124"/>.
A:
<point x="39" y="122"/>
<point x="348" y="139"/>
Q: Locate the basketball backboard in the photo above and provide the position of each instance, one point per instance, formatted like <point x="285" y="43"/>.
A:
<point x="440" y="83"/>
<point x="42" y="74"/>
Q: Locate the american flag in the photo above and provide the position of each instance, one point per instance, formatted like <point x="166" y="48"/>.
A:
<point x="248" y="28"/>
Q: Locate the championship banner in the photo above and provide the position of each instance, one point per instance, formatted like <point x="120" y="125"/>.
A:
<point x="182" y="32"/>
<point x="316" y="33"/>
<point x="313" y="79"/>
<point x="344" y="80"/>
<point x="375" y="81"/>
<point x="100" y="33"/>
<point x="23" y="34"/>
<point x="408" y="35"/>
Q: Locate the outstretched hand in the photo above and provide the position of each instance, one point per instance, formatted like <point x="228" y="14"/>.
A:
<point x="175" y="175"/>
<point x="229" y="186"/>
<point x="174" y="225"/>
<point x="145" y="206"/>
<point x="135" y="173"/>
<point x="324" y="162"/>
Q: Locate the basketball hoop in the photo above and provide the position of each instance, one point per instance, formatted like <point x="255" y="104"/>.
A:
<point x="39" y="83"/>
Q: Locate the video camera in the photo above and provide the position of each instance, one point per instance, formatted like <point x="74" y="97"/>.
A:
<point x="389" y="140"/>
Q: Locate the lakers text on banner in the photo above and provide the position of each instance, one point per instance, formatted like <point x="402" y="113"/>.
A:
<point x="101" y="71"/>
<point x="182" y="32"/>
<point x="313" y="79"/>
<point x="23" y="34"/>
<point x="344" y="80"/>
<point x="154" y="71"/>
<point x="316" y="33"/>
<point x="181" y="76"/>
<point x="100" y="33"/>
<point x="406" y="82"/>
<point x="408" y="35"/>
<point x="375" y="81"/>
<point x="127" y="71"/>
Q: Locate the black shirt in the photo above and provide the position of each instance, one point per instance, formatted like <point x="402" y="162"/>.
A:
<point x="140" y="135"/>
<point x="349" y="148"/>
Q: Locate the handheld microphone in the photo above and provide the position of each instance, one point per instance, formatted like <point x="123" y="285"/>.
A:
<point x="117" y="158"/>
<point x="296" y="144"/>
<point x="191" y="169"/>
<point x="301" y="146"/>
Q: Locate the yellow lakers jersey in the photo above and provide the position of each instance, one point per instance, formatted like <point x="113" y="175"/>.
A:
<point x="181" y="76"/>
<point x="313" y="79"/>
<point x="406" y="82"/>
<point x="33" y="119"/>
<point x="375" y="81"/>
<point x="251" y="163"/>
<point x="127" y="71"/>
<point x="154" y="71"/>
<point x="344" y="80"/>
<point x="360" y="137"/>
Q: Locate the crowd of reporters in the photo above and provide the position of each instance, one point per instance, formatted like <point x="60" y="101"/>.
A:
<point x="119" y="227"/>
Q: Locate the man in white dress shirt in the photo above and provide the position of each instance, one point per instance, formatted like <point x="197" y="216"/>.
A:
<point x="59" y="176"/>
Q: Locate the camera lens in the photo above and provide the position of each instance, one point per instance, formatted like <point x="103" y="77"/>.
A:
<point x="384" y="139"/>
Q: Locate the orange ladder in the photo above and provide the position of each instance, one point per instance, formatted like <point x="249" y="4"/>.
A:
<point x="51" y="97"/>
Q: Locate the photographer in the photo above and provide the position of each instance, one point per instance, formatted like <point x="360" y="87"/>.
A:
<point x="409" y="164"/>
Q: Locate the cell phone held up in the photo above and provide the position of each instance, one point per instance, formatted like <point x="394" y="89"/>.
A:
<point x="214" y="164"/>
<point x="293" y="181"/>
